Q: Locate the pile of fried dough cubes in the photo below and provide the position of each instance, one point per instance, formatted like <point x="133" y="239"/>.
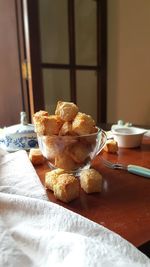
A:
<point x="67" y="122"/>
<point x="65" y="137"/>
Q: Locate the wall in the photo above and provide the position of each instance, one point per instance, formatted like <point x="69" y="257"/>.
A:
<point x="10" y="79"/>
<point x="129" y="61"/>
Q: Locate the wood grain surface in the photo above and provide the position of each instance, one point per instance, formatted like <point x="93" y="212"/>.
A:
<point x="123" y="206"/>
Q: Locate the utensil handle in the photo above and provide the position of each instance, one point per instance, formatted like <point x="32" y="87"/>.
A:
<point x="139" y="170"/>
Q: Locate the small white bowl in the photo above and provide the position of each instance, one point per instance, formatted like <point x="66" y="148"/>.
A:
<point x="128" y="137"/>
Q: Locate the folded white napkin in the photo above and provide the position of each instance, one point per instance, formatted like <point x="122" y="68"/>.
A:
<point x="148" y="133"/>
<point x="18" y="176"/>
<point x="37" y="233"/>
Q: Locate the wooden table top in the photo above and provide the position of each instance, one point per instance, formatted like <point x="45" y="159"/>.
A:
<point x="123" y="206"/>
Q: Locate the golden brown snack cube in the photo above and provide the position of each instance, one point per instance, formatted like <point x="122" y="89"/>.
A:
<point x="50" y="146"/>
<point x="37" y="119"/>
<point x="83" y="124"/>
<point x="48" y="125"/>
<point x="79" y="152"/>
<point x="39" y="114"/>
<point x="51" y="178"/>
<point x="67" y="188"/>
<point x="64" y="161"/>
<point x="36" y="156"/>
<point x="66" y="129"/>
<point x="91" y="181"/>
<point x="111" y="146"/>
<point x="66" y="110"/>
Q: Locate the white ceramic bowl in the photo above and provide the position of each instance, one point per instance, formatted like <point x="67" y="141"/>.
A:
<point x="128" y="137"/>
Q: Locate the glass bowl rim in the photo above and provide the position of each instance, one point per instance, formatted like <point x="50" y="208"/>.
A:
<point x="74" y="136"/>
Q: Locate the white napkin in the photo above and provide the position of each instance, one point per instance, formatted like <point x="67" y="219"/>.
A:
<point x="147" y="133"/>
<point x="35" y="232"/>
<point x="18" y="176"/>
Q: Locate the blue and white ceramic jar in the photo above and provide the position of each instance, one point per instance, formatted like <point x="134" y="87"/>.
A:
<point x="19" y="136"/>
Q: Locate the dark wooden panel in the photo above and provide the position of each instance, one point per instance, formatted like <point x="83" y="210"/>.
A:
<point x="35" y="52"/>
<point x="102" y="61"/>
<point x="10" y="79"/>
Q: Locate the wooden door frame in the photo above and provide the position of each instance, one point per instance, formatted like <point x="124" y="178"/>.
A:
<point x="36" y="91"/>
<point x="22" y="56"/>
<point x="102" y="61"/>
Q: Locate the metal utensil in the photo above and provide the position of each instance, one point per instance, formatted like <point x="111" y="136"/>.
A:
<point x="145" y="172"/>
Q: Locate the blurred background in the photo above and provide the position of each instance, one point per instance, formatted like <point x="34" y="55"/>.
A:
<point x="91" y="52"/>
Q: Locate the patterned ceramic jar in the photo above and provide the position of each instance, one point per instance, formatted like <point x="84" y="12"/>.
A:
<point x="20" y="136"/>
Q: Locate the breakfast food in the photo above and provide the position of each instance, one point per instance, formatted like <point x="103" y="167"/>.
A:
<point x="91" y="181"/>
<point x="111" y="146"/>
<point x="37" y="119"/>
<point x="66" y="110"/>
<point x="36" y="156"/>
<point x="50" y="147"/>
<point x="67" y="188"/>
<point x="64" y="161"/>
<point x="51" y="178"/>
<point x="66" y="129"/>
<point x="39" y="114"/>
<point x="47" y="125"/>
<point x="67" y="139"/>
<point x="83" y="124"/>
<point x="79" y="152"/>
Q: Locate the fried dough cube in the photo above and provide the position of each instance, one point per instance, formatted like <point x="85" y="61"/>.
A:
<point x="79" y="152"/>
<point x="36" y="119"/>
<point x="51" y="178"/>
<point x="111" y="146"/>
<point x="48" y="125"/>
<point x="40" y="113"/>
<point x="36" y="157"/>
<point x="66" y="129"/>
<point x="83" y="124"/>
<point x="89" y="140"/>
<point x="64" y="161"/>
<point x="51" y="146"/>
<point x="66" y="110"/>
<point x="67" y="188"/>
<point x="91" y="181"/>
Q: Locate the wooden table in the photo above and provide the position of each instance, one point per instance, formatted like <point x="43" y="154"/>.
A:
<point x="123" y="206"/>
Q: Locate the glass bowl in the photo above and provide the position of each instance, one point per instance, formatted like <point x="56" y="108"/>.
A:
<point x="72" y="153"/>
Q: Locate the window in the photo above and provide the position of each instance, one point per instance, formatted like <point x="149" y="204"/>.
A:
<point x="72" y="37"/>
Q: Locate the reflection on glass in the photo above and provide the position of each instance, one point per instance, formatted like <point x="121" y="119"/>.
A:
<point x="87" y="92"/>
<point x="56" y="87"/>
<point x="54" y="31"/>
<point x="85" y="29"/>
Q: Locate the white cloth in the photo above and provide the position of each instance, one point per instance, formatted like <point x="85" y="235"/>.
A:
<point x="37" y="233"/>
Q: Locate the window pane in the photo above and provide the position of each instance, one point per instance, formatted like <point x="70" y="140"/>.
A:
<point x="53" y="19"/>
<point x="87" y="92"/>
<point x="56" y="87"/>
<point x="85" y="28"/>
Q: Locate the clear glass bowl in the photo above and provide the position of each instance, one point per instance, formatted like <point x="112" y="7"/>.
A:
<point x="72" y="153"/>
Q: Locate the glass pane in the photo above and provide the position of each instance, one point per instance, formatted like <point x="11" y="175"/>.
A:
<point x="56" y="87"/>
<point x="85" y="28"/>
<point x="53" y="19"/>
<point x="87" y="92"/>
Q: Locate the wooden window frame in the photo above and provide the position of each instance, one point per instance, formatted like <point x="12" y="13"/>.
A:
<point x="100" y="67"/>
